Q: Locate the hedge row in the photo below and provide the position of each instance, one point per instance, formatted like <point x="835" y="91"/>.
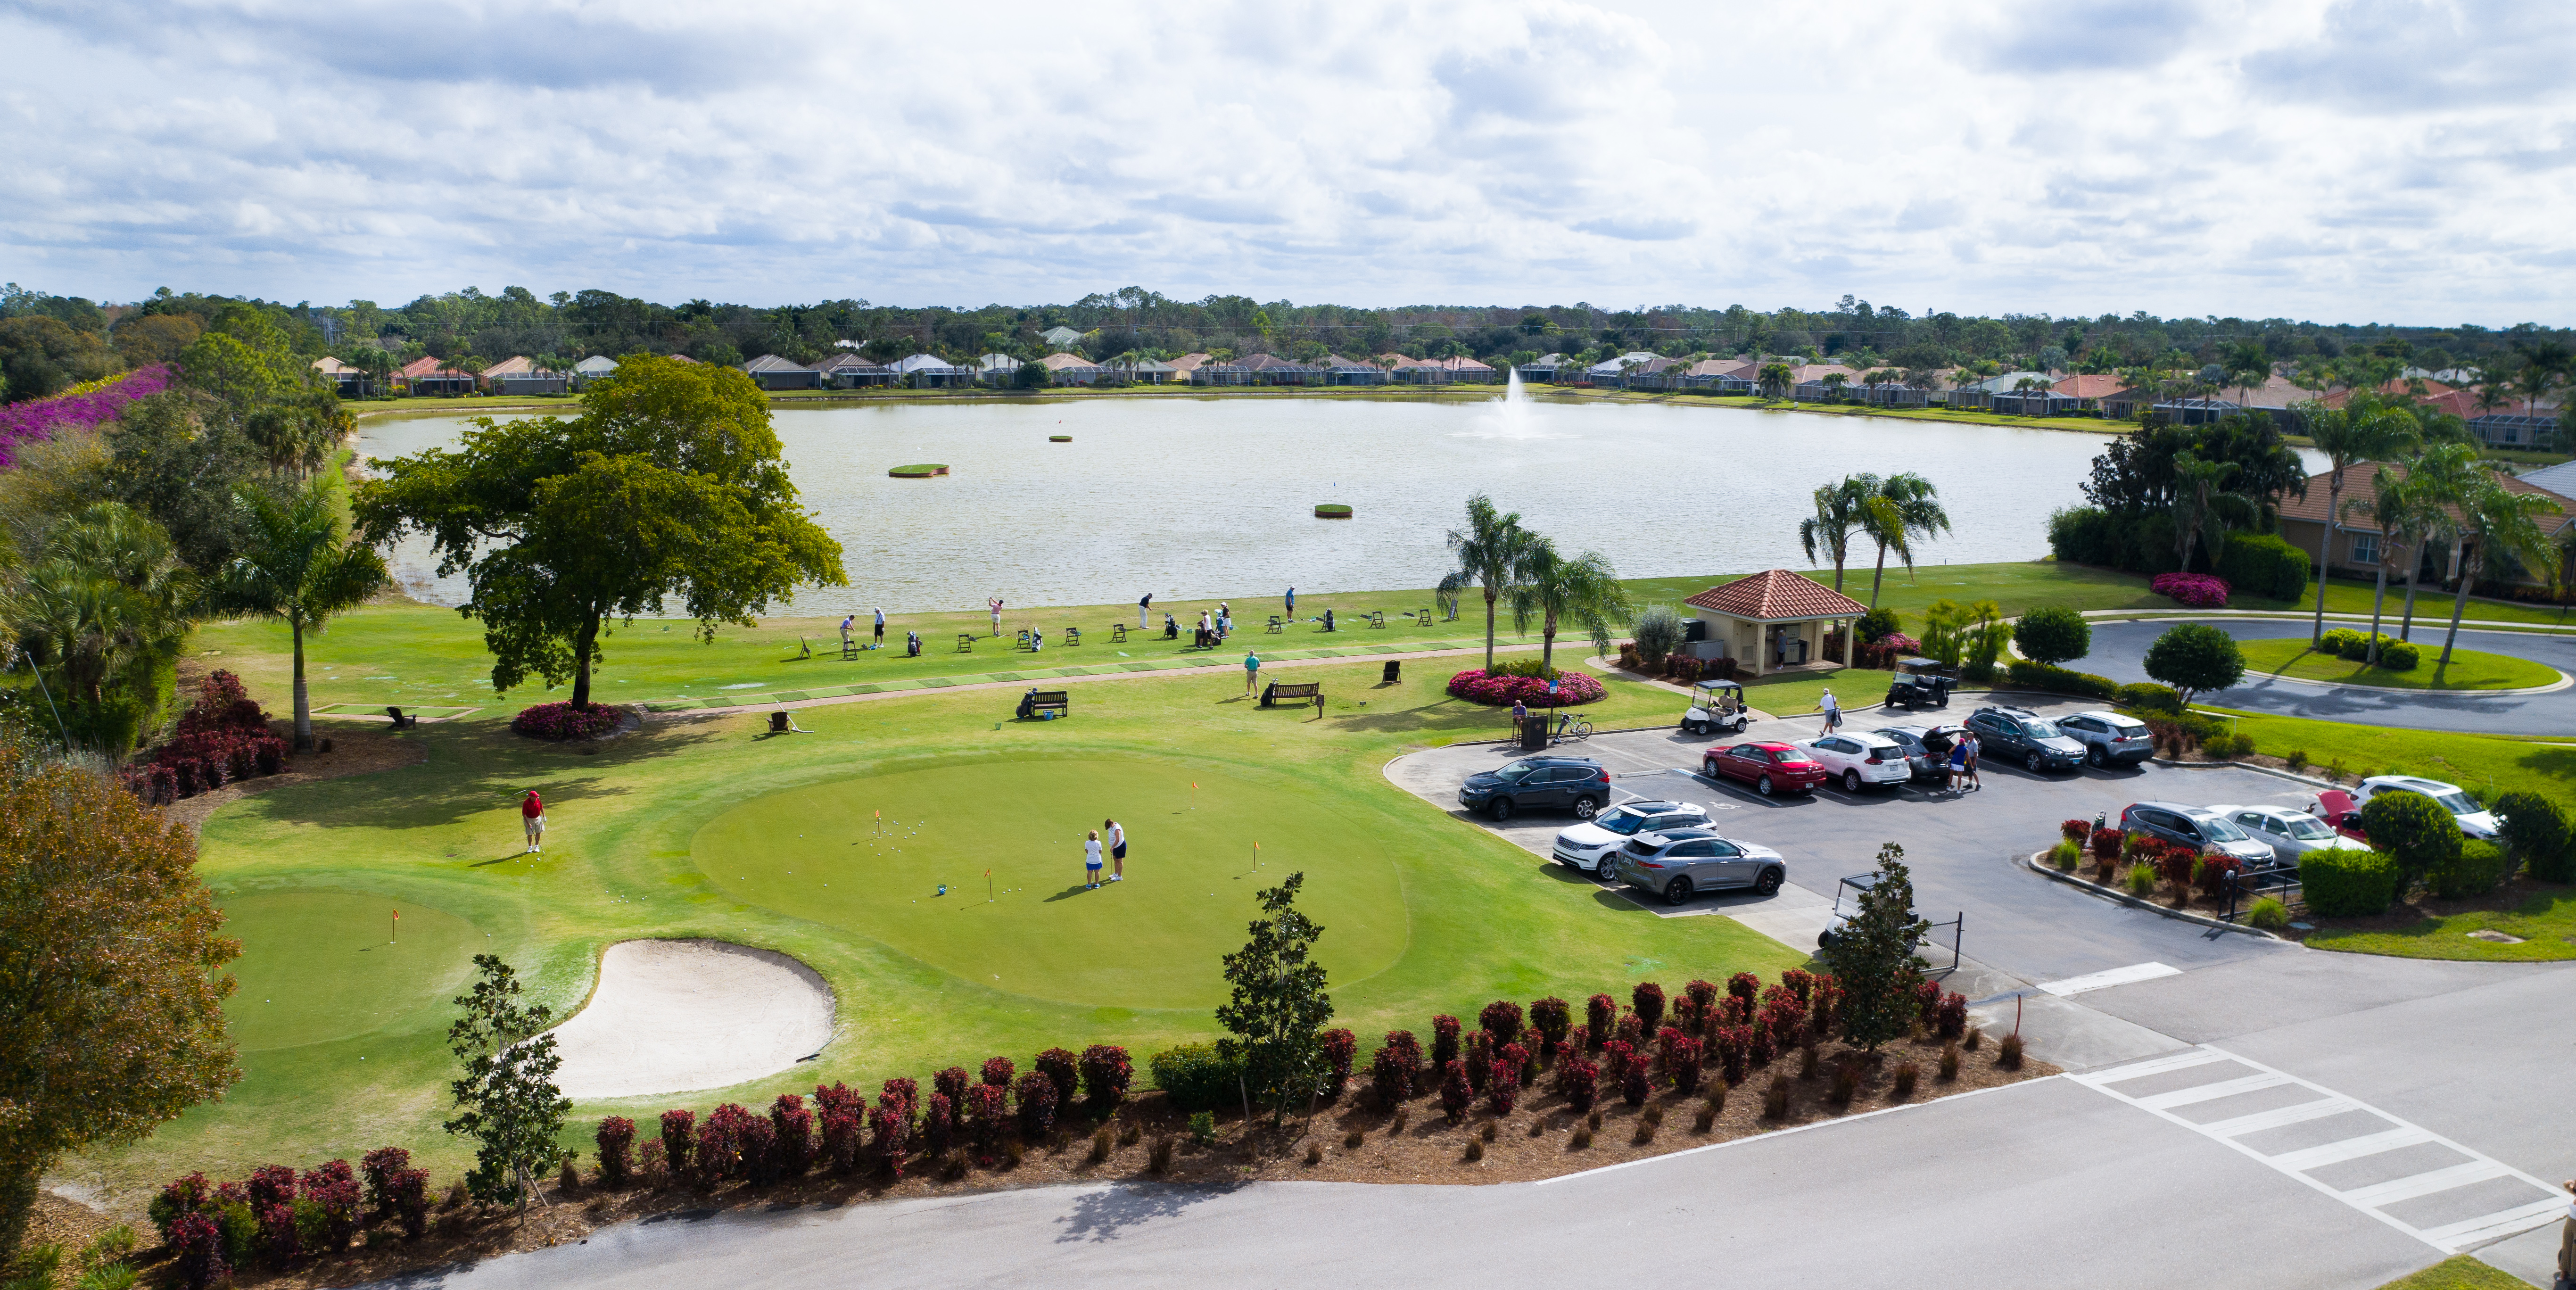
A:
<point x="277" y="1218"/>
<point x="223" y="737"/>
<point x="2394" y="654"/>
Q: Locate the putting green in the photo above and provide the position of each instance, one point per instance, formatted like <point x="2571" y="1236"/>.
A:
<point x="318" y="965"/>
<point x="819" y="854"/>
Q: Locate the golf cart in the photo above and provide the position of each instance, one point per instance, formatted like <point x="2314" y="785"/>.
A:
<point x="1715" y="707"/>
<point x="1921" y="683"/>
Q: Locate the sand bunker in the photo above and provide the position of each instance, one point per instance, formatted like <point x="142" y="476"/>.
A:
<point x="679" y="1016"/>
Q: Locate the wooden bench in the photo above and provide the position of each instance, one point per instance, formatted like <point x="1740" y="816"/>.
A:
<point x="1072" y="637"/>
<point x="1041" y="701"/>
<point x="1273" y="693"/>
<point x="1276" y="624"/>
<point x="965" y="642"/>
<point x="402" y="722"/>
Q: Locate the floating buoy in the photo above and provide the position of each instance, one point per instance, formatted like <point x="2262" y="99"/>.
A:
<point x="923" y="471"/>
<point x="1332" y="511"/>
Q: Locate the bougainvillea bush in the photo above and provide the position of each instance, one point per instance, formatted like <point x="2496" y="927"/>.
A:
<point x="1477" y="686"/>
<point x="562" y="721"/>
<point x="77" y="408"/>
<point x="223" y="737"/>
<point x="2196" y="590"/>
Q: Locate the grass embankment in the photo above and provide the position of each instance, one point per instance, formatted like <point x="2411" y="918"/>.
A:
<point x="691" y="829"/>
<point x="2459" y="1272"/>
<point x="2468" y="669"/>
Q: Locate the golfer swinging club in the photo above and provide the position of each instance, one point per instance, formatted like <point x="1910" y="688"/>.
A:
<point x="532" y="813"/>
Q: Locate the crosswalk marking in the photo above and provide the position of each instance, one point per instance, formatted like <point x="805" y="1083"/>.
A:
<point x="2104" y="980"/>
<point x="2389" y="1133"/>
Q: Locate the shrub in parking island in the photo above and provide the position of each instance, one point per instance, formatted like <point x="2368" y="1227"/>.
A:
<point x="2052" y="634"/>
<point x="2193" y="590"/>
<point x="1648" y="999"/>
<point x="1395" y="1069"/>
<point x="1457" y="1091"/>
<point x="1578" y="1080"/>
<point x="1601" y="1016"/>
<point x="679" y="1139"/>
<point x="2399" y="656"/>
<point x="1106" y="1073"/>
<point x="2195" y="658"/>
<point x="890" y="1139"/>
<point x="1196" y="1077"/>
<point x="998" y="1071"/>
<point x="1551" y="1018"/>
<point x="792" y="1125"/>
<point x="1729" y="1045"/>
<point x="616" y="1138"/>
<point x="2058" y="680"/>
<point x="1061" y="1067"/>
<point x="1496" y="691"/>
<point x="1036" y="1095"/>
<point x="938" y="1125"/>
<point x="2268" y="915"/>
<point x="2478" y="870"/>
<point x="2347" y="884"/>
<point x="1339" y="1047"/>
<point x="1501" y="1019"/>
<point x="558" y="722"/>
<point x="2414" y="831"/>
<point x="1873" y="957"/>
<point x="197" y="1247"/>
<point x="2535" y="835"/>
<point x="1683" y="1065"/>
<point x="986" y="1116"/>
<point x="952" y="1082"/>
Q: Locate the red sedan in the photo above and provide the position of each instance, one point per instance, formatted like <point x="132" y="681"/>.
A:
<point x="1770" y="767"/>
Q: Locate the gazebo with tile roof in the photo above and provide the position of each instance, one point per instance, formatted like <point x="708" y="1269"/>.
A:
<point x="1776" y="619"/>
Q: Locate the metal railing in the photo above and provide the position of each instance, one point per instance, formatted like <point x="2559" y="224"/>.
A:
<point x="2281" y="884"/>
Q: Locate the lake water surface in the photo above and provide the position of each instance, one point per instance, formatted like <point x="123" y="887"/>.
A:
<point x="1193" y="498"/>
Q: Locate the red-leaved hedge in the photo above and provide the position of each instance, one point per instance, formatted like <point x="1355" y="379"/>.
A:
<point x="558" y="722"/>
<point x="2197" y="590"/>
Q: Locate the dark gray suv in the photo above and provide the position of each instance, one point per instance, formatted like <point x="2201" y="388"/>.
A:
<point x="1577" y="784"/>
<point x="1677" y="863"/>
<point x="2019" y="734"/>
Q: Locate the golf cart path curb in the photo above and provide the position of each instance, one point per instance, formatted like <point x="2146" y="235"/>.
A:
<point x="2032" y="862"/>
<point x="2197" y="615"/>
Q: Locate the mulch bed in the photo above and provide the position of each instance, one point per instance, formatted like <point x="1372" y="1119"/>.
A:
<point x="355" y="750"/>
<point x="1412" y="1143"/>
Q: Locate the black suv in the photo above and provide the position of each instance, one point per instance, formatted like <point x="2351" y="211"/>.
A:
<point x="1578" y="784"/>
<point x="2019" y="734"/>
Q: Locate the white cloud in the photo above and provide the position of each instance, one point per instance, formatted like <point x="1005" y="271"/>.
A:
<point x="2338" y="159"/>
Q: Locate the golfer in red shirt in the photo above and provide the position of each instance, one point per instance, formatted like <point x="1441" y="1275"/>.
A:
<point x="532" y="813"/>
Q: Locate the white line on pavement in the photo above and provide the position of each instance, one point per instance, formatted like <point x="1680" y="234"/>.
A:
<point x="2391" y="1134"/>
<point x="2104" y="980"/>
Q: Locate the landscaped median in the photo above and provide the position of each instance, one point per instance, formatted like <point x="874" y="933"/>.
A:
<point x="2404" y="666"/>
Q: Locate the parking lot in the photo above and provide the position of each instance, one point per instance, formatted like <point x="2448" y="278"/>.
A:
<point x="1964" y="849"/>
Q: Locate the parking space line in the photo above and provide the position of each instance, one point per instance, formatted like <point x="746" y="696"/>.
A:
<point x="2371" y="1199"/>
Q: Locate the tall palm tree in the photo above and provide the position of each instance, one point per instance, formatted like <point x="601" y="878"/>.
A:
<point x="2367" y="431"/>
<point x="1900" y="509"/>
<point x="1489" y="551"/>
<point x="106" y="592"/>
<point x="2439" y="473"/>
<point x="1583" y="590"/>
<point x="2494" y="520"/>
<point x="1773" y="380"/>
<point x="2246" y="367"/>
<point x="1834" y="383"/>
<point x="2399" y="514"/>
<point x="2198" y="486"/>
<point x="298" y="564"/>
<point x="1829" y="531"/>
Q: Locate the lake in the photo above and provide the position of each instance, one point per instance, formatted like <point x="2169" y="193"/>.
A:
<point x="1197" y="498"/>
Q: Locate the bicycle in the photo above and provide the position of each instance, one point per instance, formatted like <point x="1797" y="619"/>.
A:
<point x="1570" y="729"/>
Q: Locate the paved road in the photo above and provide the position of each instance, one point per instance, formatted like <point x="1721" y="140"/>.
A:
<point x="2120" y="651"/>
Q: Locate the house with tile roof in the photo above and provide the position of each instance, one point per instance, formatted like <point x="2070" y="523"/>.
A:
<point x="432" y="376"/>
<point x="770" y="372"/>
<point x="930" y="371"/>
<point x="1072" y="369"/>
<point x="1774" y="620"/>
<point x="1543" y="368"/>
<point x="1060" y="337"/>
<point x="850" y="370"/>
<point x="2354" y="545"/>
<point x="1350" y="371"/>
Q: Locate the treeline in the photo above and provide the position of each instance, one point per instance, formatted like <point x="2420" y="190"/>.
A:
<point x="48" y="342"/>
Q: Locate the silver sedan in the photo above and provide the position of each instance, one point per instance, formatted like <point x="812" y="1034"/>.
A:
<point x="2291" y="833"/>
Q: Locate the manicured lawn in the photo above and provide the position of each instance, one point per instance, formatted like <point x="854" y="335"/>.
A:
<point x="2468" y="669"/>
<point x="2546" y="923"/>
<point x="691" y="829"/>
<point x="2484" y="765"/>
<point x="2459" y="1272"/>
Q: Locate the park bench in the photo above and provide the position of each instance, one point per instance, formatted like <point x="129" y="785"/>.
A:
<point x="1276" y="625"/>
<point x="965" y="642"/>
<point x="1039" y="701"/>
<point x="1072" y="637"/>
<point x="1273" y="693"/>
<point x="402" y="722"/>
<point x="1377" y="618"/>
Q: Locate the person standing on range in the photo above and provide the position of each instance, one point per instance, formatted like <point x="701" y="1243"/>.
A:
<point x="996" y="603"/>
<point x="1117" y="849"/>
<point x="880" y="628"/>
<point x="1292" y="602"/>
<point x="532" y="816"/>
<point x="1143" y="606"/>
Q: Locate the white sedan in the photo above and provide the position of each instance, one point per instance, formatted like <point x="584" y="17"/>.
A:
<point x="2291" y="833"/>
<point x="2475" y="820"/>
<point x="1858" y="759"/>
<point x="1593" y="845"/>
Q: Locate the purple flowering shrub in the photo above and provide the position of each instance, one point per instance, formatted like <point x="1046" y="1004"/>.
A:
<point x="1476" y="686"/>
<point x="76" y="409"/>
<point x="2196" y="590"/>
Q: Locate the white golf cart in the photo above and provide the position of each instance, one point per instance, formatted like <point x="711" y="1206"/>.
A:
<point x="1716" y="707"/>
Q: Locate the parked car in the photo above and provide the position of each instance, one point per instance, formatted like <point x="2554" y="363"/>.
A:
<point x="1858" y="759"/>
<point x="2109" y="739"/>
<point x="2019" y="734"/>
<point x="2197" y="827"/>
<point x="1770" y="767"/>
<point x="1577" y="784"/>
<point x="2474" y="819"/>
<point x="1592" y="845"/>
<point x="1678" y="864"/>
<point x="1927" y="749"/>
<point x="2335" y="807"/>
<point x="2291" y="833"/>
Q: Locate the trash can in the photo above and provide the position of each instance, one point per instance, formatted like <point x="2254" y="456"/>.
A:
<point x="1534" y="733"/>
<point x="1394" y="671"/>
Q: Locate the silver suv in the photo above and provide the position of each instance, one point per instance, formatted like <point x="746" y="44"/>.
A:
<point x="2109" y="739"/>
<point x="2196" y="827"/>
<point x="1592" y="845"/>
<point x="1678" y="863"/>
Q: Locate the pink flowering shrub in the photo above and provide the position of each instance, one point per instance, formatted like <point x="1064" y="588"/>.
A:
<point x="2196" y="590"/>
<point x="1475" y="686"/>
<point x="76" y="409"/>
<point x="561" y="721"/>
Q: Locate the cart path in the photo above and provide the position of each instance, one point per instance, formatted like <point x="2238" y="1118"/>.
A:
<point x="2120" y="650"/>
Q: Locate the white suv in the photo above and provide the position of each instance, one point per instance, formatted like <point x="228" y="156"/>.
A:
<point x="1593" y="846"/>
<point x="2474" y="819"/>
<point x="1859" y="758"/>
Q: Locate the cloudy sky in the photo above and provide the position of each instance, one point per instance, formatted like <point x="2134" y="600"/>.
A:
<point x="2341" y="160"/>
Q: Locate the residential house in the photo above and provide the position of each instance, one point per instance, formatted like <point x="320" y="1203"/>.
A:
<point x="1808" y="381"/>
<point x="1543" y="368"/>
<point x="2089" y="390"/>
<point x="1145" y="371"/>
<point x="1186" y="364"/>
<point x="1061" y="337"/>
<point x="1609" y="370"/>
<point x="349" y="382"/>
<point x="1211" y="372"/>
<point x="1072" y="369"/>
<point x="432" y="376"/>
<point x="995" y="369"/>
<point x="1399" y="365"/>
<point x="2515" y="430"/>
<point x="929" y="371"/>
<point x="1350" y="371"/>
<point x="1270" y="369"/>
<point x="770" y="372"/>
<point x="591" y="369"/>
<point x="1894" y="394"/>
<point x="2033" y="403"/>
<point x="848" y="370"/>
<point x="1468" y="370"/>
<point x="1721" y="375"/>
<point x="2354" y="549"/>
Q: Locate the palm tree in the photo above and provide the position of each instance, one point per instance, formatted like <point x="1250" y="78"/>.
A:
<point x="1838" y="514"/>
<point x="2367" y="431"/>
<point x="1834" y="383"/>
<point x="2198" y="486"/>
<point x="297" y="564"/>
<point x="1584" y="590"/>
<point x="2246" y="366"/>
<point x="1489" y="553"/>
<point x="1773" y="380"/>
<point x="107" y="591"/>
<point x="2398" y="511"/>
<point x="2493" y="520"/>
<point x="1900" y="509"/>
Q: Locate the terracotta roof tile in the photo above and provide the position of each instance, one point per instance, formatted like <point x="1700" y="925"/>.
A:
<point x="2356" y="487"/>
<point x="1778" y="594"/>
